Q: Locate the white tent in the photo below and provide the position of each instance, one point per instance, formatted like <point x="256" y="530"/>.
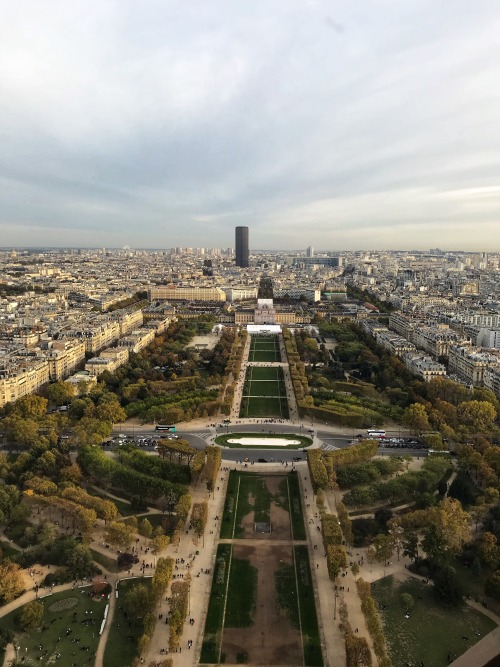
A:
<point x="263" y="328"/>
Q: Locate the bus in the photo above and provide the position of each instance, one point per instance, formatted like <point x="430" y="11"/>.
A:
<point x="375" y="433"/>
<point x="439" y="452"/>
<point x="165" y="427"/>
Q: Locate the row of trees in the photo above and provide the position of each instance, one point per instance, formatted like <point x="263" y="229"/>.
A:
<point x="99" y="468"/>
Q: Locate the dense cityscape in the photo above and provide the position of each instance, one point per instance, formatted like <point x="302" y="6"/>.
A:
<point x="239" y="456"/>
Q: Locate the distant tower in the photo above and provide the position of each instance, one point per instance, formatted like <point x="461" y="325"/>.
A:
<point x="242" y="247"/>
<point x="310" y="251"/>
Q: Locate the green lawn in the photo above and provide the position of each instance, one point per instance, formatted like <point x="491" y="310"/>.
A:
<point x="296" y="515"/>
<point x="256" y="373"/>
<point x="431" y="632"/>
<point x="213" y="624"/>
<point x="226" y="528"/>
<point x="264" y="407"/>
<point x="121" y="647"/>
<point x="264" y="393"/>
<point x="309" y="621"/>
<point x="240" y="606"/>
<point x="264" y="349"/>
<point x="264" y="388"/>
<point x="264" y="355"/>
<point x="106" y="561"/>
<point x="8" y="551"/>
<point x="83" y="620"/>
<point x="16" y="530"/>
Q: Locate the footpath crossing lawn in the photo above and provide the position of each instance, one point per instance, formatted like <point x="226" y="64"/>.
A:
<point x="124" y="633"/>
<point x="264" y="393"/>
<point x="264" y="348"/>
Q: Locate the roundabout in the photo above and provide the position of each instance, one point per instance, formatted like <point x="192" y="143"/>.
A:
<point x="263" y="441"/>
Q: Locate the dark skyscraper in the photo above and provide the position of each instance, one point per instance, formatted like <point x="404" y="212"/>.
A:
<point x="242" y="246"/>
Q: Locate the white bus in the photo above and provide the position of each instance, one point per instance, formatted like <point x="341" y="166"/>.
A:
<point x="375" y="433"/>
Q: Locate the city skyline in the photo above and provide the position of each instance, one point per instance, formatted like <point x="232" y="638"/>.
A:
<point x="314" y="124"/>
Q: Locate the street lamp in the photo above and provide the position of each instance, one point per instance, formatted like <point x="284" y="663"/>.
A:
<point x="335" y="606"/>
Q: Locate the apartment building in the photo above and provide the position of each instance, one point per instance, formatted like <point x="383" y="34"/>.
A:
<point x="404" y="325"/>
<point x="128" y="320"/>
<point x="241" y="293"/>
<point x="23" y="378"/>
<point x="469" y="363"/>
<point x="424" y="366"/>
<point x="396" y="345"/>
<point x="174" y="293"/>
<point x="82" y="382"/>
<point x="64" y="356"/>
<point x="297" y="292"/>
<point x="137" y="340"/>
<point x="492" y="379"/>
<point x="98" y="336"/>
<point x="489" y="338"/>
<point x="435" y="340"/>
<point x="108" y="360"/>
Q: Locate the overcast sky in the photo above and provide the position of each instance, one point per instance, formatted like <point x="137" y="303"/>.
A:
<point x="160" y="123"/>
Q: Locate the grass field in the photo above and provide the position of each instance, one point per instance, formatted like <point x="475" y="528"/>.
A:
<point x="243" y="586"/>
<point x="264" y="348"/>
<point x="264" y="393"/>
<point x="267" y="590"/>
<point x="213" y="624"/>
<point x="81" y="621"/>
<point x="296" y="515"/>
<point x="106" y="561"/>
<point x="121" y="647"/>
<point x="431" y="633"/>
<point x="8" y="551"/>
<point x="308" y="617"/>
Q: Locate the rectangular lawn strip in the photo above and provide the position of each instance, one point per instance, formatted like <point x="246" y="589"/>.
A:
<point x="265" y="388"/>
<point x="308" y="618"/>
<point x="226" y="527"/>
<point x="56" y="623"/>
<point x="264" y="407"/>
<point x="284" y="407"/>
<point x="106" y="561"/>
<point x="242" y="593"/>
<point x="263" y="373"/>
<point x="213" y="624"/>
<point x="432" y="632"/>
<point x="296" y="514"/>
<point x="265" y="355"/>
<point x="124" y="633"/>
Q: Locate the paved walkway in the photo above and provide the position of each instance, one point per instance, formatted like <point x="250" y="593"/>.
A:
<point x="197" y="565"/>
<point x="327" y="603"/>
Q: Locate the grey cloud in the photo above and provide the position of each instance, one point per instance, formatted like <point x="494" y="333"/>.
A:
<point x="190" y="118"/>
